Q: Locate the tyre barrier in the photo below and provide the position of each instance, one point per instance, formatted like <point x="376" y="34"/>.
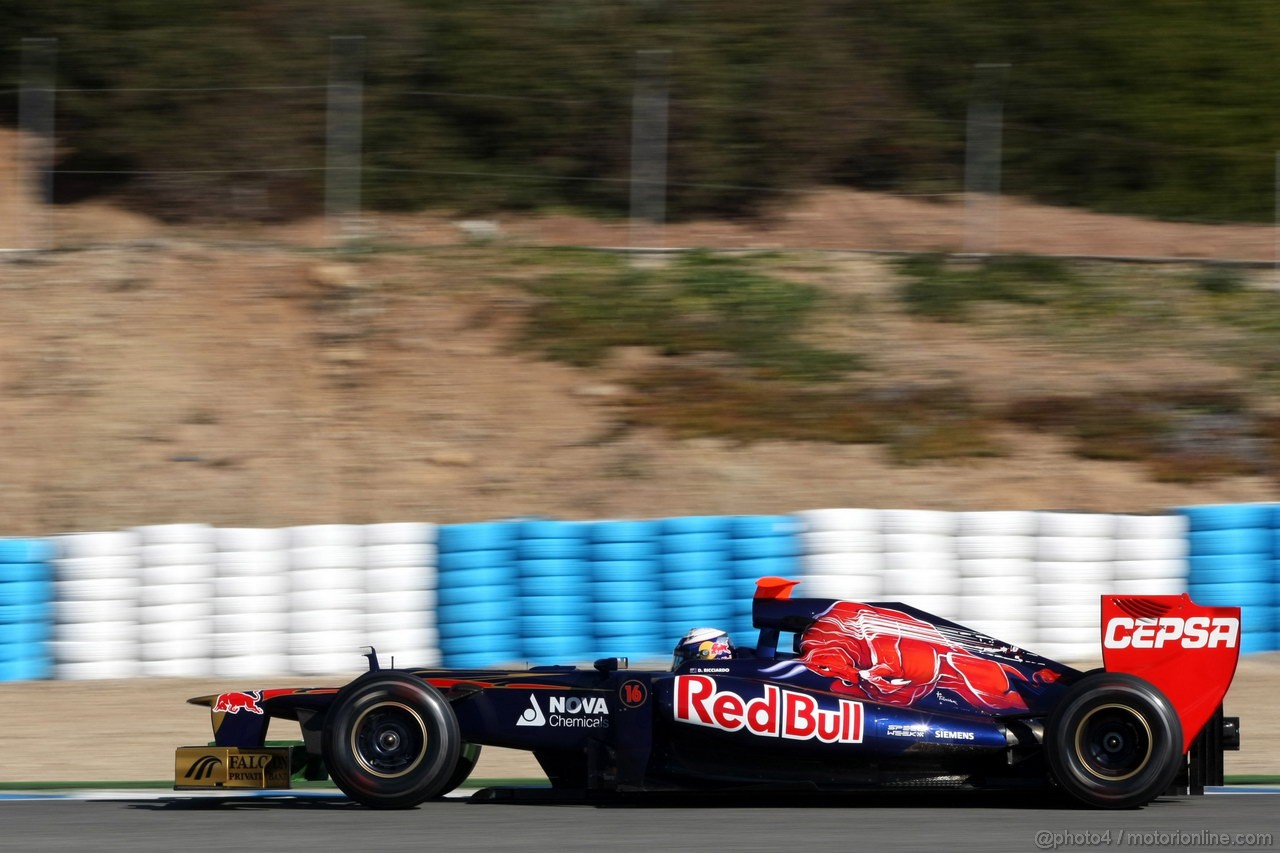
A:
<point x="193" y="600"/>
<point x="26" y="608"/>
<point x="1232" y="560"/>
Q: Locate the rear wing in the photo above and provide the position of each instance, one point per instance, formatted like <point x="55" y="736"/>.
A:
<point x="1188" y="651"/>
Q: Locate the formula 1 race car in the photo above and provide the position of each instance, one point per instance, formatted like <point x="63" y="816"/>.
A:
<point x="868" y="696"/>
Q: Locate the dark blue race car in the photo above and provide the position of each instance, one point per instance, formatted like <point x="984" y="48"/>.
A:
<point x="835" y="696"/>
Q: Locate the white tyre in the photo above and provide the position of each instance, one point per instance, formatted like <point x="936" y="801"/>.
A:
<point x="996" y="523"/>
<point x="251" y="563"/>
<point x="841" y="564"/>
<point x="257" y="605"/>
<point x="996" y="567"/>
<point x="323" y="599"/>
<point x="420" y="556"/>
<point x="1068" y="573"/>
<point x="246" y="643"/>
<point x="74" y="651"/>
<point x="173" y="593"/>
<point x="95" y="568"/>
<point x="399" y="533"/>
<point x="342" y="536"/>
<point x="327" y="663"/>
<point x="1077" y="616"/>
<point x="995" y="547"/>
<point x="328" y="580"/>
<point x="399" y="620"/>
<point x="1126" y="570"/>
<point x="1074" y="653"/>
<point x="1085" y="636"/>
<point x="251" y="666"/>
<point x="113" y="669"/>
<point x="103" y="610"/>
<point x="104" y="589"/>
<point x="917" y="543"/>
<point x="176" y="554"/>
<point x="943" y="606"/>
<point x="166" y="574"/>
<point x="1150" y="586"/>
<point x="395" y="580"/>
<point x="191" y="611"/>
<point x="178" y="648"/>
<point x="159" y="633"/>
<point x="898" y="582"/>
<point x="1152" y="549"/>
<point x="246" y="586"/>
<point x="416" y="601"/>
<point x="896" y="521"/>
<point x="1019" y="586"/>
<point x="196" y="667"/>
<point x="339" y="621"/>
<point x="96" y="632"/>
<point x="1077" y="549"/>
<point x="106" y="544"/>
<point x="925" y="561"/>
<point x="249" y="623"/>
<point x="1075" y="524"/>
<point x="1020" y="633"/>
<point x="839" y="519"/>
<point x="332" y="558"/>
<point x="401" y="641"/>
<point x="250" y="539"/>
<point x="839" y="541"/>
<point x="1072" y="594"/>
<point x="175" y="534"/>
<point x="843" y="587"/>
<point x="1151" y="526"/>
<point x="974" y="608"/>
<point x="323" y="642"/>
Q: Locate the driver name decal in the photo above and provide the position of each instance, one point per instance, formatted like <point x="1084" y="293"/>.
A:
<point x="778" y="713"/>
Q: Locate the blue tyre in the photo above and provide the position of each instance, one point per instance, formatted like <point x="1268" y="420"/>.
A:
<point x="623" y="531"/>
<point x="696" y="524"/>
<point x="481" y="536"/>
<point x="1227" y="516"/>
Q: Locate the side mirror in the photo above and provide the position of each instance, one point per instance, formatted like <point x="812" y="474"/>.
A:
<point x="610" y="664"/>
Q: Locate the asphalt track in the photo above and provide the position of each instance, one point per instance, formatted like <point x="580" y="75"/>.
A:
<point x="130" y="821"/>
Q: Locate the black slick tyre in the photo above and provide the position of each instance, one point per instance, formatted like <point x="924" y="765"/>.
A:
<point x="1114" y="741"/>
<point x="390" y="741"/>
<point x="467" y="759"/>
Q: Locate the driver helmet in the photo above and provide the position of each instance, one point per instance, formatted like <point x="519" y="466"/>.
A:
<point x="703" y="644"/>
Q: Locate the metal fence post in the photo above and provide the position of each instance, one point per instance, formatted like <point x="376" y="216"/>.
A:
<point x="982" y="158"/>
<point x="36" y="142"/>
<point x="649" y="149"/>
<point x="343" y="137"/>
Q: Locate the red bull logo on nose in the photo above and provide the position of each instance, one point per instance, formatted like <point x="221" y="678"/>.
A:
<point x="234" y="703"/>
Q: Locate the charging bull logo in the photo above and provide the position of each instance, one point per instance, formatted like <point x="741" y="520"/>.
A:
<point x="234" y="703"/>
<point x="890" y="657"/>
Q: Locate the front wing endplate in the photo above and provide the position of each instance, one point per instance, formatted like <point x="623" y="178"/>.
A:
<point x="204" y="767"/>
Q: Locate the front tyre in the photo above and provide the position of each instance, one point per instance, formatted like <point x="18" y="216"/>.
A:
<point x="1114" y="741"/>
<point x="390" y="741"/>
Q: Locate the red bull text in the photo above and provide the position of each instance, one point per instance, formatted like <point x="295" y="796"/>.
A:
<point x="778" y="713"/>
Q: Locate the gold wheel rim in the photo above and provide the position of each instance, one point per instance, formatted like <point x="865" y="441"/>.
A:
<point x="408" y="717"/>
<point x="1087" y="763"/>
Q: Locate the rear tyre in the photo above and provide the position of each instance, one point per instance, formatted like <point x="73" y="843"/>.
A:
<point x="467" y="759"/>
<point x="1114" y="741"/>
<point x="390" y="741"/>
